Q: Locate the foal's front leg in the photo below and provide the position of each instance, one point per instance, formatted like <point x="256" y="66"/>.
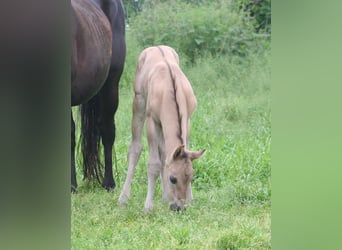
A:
<point x="189" y="193"/>
<point x="135" y="148"/>
<point x="189" y="196"/>
<point x="154" y="163"/>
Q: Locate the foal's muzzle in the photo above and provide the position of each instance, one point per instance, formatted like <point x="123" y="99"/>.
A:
<point x="177" y="206"/>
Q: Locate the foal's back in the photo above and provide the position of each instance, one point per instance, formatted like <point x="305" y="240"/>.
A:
<point x="158" y="77"/>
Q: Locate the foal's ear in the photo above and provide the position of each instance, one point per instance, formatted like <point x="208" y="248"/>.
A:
<point x="196" y="154"/>
<point x="179" y="152"/>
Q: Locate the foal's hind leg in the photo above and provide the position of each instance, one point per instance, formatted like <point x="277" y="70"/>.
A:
<point x="73" y="171"/>
<point x="134" y="150"/>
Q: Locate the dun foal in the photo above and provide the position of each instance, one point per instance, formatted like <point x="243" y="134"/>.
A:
<point x="164" y="97"/>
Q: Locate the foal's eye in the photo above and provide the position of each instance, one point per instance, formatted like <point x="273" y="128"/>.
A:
<point x="173" y="179"/>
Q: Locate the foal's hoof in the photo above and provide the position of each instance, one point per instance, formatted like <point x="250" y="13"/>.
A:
<point x="148" y="207"/>
<point x="123" y="200"/>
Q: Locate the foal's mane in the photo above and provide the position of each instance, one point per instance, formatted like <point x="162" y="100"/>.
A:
<point x="179" y="116"/>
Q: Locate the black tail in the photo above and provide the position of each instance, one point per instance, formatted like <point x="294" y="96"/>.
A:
<point x="90" y="137"/>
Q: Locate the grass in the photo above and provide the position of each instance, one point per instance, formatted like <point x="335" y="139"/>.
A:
<point x="231" y="207"/>
<point x="211" y="222"/>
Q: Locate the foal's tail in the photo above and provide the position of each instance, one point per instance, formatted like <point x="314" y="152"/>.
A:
<point x="90" y="137"/>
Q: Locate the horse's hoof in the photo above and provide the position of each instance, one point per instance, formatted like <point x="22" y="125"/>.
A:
<point x="110" y="189"/>
<point x="73" y="189"/>
<point x="109" y="186"/>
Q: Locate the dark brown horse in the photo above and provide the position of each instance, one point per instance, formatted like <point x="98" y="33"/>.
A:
<point x="98" y="55"/>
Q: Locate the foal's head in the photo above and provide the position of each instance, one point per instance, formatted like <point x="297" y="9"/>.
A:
<point x="178" y="175"/>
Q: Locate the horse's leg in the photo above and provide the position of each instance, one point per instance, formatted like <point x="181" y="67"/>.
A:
<point x="108" y="137"/>
<point x="154" y="163"/>
<point x="73" y="171"/>
<point x="135" y="147"/>
<point x="109" y="99"/>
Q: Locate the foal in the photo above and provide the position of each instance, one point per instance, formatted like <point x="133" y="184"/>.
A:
<point x="164" y="97"/>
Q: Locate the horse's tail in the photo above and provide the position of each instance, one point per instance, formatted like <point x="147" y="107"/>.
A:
<point x="90" y="137"/>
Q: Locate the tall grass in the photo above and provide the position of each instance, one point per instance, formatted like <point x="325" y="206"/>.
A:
<point x="218" y="27"/>
<point x="232" y="121"/>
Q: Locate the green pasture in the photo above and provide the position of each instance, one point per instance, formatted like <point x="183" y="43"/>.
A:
<point x="231" y="207"/>
<point x="231" y="187"/>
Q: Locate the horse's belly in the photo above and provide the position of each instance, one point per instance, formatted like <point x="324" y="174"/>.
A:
<point x="92" y="51"/>
<point x="88" y="83"/>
